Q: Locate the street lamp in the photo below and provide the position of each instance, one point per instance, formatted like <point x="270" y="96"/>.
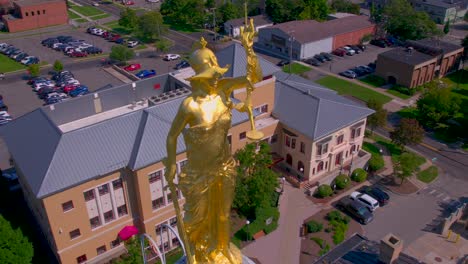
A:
<point x="283" y="179"/>
<point x="248" y="233"/>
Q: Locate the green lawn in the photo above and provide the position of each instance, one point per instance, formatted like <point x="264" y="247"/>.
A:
<point x="409" y="112"/>
<point x="100" y="16"/>
<point x="87" y="10"/>
<point x="72" y="15"/>
<point x="9" y="65"/>
<point x="140" y="47"/>
<point x="428" y="175"/>
<point x="296" y="68"/>
<point x="373" y="80"/>
<point x="81" y="20"/>
<point x="114" y="26"/>
<point x="180" y="27"/>
<point x="347" y="88"/>
<point x="398" y="94"/>
<point x="395" y="151"/>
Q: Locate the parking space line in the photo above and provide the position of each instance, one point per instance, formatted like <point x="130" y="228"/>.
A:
<point x="446" y="198"/>
<point x="440" y="195"/>
<point x="431" y="192"/>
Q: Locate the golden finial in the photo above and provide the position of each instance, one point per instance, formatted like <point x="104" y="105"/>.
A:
<point x="200" y="44"/>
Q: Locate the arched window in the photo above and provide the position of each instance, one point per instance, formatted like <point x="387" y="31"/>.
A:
<point x="320" y="167"/>
<point x="289" y="159"/>
<point x="353" y="148"/>
<point x="300" y="166"/>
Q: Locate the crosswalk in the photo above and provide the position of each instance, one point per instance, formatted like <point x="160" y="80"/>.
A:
<point x="438" y="194"/>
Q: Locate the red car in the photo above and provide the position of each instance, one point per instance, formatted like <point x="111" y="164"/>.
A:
<point x="129" y="2"/>
<point x="78" y="54"/>
<point x="339" y="52"/>
<point x="69" y="88"/>
<point x="114" y="38"/>
<point x="133" y="67"/>
<point x="106" y="34"/>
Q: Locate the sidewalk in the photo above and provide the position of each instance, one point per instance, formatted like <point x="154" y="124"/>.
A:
<point x="433" y="248"/>
<point x="283" y="245"/>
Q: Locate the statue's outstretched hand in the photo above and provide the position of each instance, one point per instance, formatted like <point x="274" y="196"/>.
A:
<point x="247" y="34"/>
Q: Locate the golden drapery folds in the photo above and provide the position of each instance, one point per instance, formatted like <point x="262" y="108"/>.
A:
<point x="208" y="179"/>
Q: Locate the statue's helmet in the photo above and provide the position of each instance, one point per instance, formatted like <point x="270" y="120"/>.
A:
<point x="203" y="61"/>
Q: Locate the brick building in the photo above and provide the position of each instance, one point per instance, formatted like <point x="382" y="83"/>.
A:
<point x="310" y="37"/>
<point x="93" y="165"/>
<point x="419" y="62"/>
<point x="31" y="14"/>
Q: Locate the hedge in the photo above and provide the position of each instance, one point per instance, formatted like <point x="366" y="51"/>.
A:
<point x="359" y="175"/>
<point x="262" y="214"/>
<point x="342" y="181"/>
<point x="314" y="226"/>
<point x="324" y="190"/>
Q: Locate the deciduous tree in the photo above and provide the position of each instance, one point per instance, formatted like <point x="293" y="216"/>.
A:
<point x="464" y="43"/>
<point x="163" y="45"/>
<point x="150" y="25"/>
<point x="405" y="166"/>
<point x="34" y="70"/>
<point x="345" y="6"/>
<point x="184" y="12"/>
<point x="121" y="53"/>
<point x="408" y="132"/>
<point x="128" y="18"/>
<point x="379" y="118"/>
<point x="14" y="246"/>
<point x="447" y="27"/>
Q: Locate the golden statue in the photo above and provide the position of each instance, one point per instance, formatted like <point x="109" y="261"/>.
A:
<point x="208" y="179"/>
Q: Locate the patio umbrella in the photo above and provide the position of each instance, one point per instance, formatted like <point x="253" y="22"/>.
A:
<point x="127" y="232"/>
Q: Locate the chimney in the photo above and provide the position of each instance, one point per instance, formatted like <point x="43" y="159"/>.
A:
<point x="410" y="50"/>
<point x="97" y="103"/>
<point x="390" y="248"/>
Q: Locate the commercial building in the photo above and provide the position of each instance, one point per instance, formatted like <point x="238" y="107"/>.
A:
<point x="232" y="27"/>
<point x="93" y="164"/>
<point x="31" y="14"/>
<point x="310" y="37"/>
<point x="419" y="62"/>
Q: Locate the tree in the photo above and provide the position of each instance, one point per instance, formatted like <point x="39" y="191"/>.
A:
<point x="447" y="27"/>
<point x="464" y="43"/>
<point x="405" y="166"/>
<point x="400" y="19"/>
<point x="128" y="18"/>
<point x="314" y="9"/>
<point x="229" y="11"/>
<point x="256" y="182"/>
<point x="150" y="25"/>
<point x="286" y="10"/>
<point x="437" y="105"/>
<point x="379" y="118"/>
<point x="184" y="12"/>
<point x="14" y="246"/>
<point x="408" y="132"/>
<point x="163" y="45"/>
<point x="34" y="70"/>
<point x="121" y="53"/>
<point x="345" y="6"/>
<point x="58" y="66"/>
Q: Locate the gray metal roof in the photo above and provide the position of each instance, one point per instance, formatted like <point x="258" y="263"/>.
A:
<point x="313" y="110"/>
<point x="234" y="55"/>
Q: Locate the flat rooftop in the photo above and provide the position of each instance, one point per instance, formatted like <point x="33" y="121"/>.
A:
<point x="405" y="56"/>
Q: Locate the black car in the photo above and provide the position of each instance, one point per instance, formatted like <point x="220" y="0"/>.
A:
<point x="356" y="49"/>
<point x="320" y="58"/>
<point x="313" y="61"/>
<point x="356" y="210"/>
<point x="359" y="72"/>
<point x="327" y="56"/>
<point x="21" y="56"/>
<point x="43" y="92"/>
<point x="64" y="39"/>
<point x="282" y="63"/>
<point x="376" y="193"/>
<point x="181" y="65"/>
<point x="120" y="41"/>
<point x="378" y="43"/>
<point x="93" y="50"/>
<point x="362" y="47"/>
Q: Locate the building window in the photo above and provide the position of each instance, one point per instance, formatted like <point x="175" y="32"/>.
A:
<point x="313" y="171"/>
<point x="115" y="243"/>
<point x="339" y="159"/>
<point x="95" y="222"/>
<point x="355" y="132"/>
<point x="262" y="109"/>
<point x="175" y="242"/>
<point x="100" y="250"/>
<point x="300" y="166"/>
<point x="289" y="159"/>
<point x="103" y="189"/>
<point x="75" y="233"/>
<point x="293" y="143"/>
<point x="173" y="221"/>
<point x="81" y="259"/>
<point x="302" y="149"/>
<point x="182" y="164"/>
<point x="287" y="141"/>
<point x="229" y="139"/>
<point x="67" y="206"/>
<point x="89" y="195"/>
<point x="339" y="140"/>
<point x="32" y="13"/>
<point x="155" y="176"/>
<point x="43" y="11"/>
<point x="109" y="216"/>
<point x="353" y="148"/>
<point x="326" y="165"/>
<point x="117" y="184"/>
<point x="322" y="149"/>
<point x="26" y="13"/>
<point x="274" y="138"/>
<point x="122" y="210"/>
<point x="38" y="12"/>
<point x="320" y="167"/>
<point x="166" y="246"/>
<point x="158" y="203"/>
<point x="169" y="198"/>
<point x="242" y="135"/>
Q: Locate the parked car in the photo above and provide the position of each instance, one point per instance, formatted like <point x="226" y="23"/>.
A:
<point x="313" y="61"/>
<point x="181" y="65"/>
<point x="339" y="52"/>
<point x="282" y="63"/>
<point x="320" y="58"/>
<point x="349" y="74"/>
<point x="356" y="48"/>
<point x="146" y="74"/>
<point x="381" y="196"/>
<point x="132" y="43"/>
<point x="369" y="202"/>
<point x="120" y="41"/>
<point x="69" y="87"/>
<point x="76" y="54"/>
<point x="349" y="51"/>
<point x="169" y="57"/>
<point x="367" y="69"/>
<point x="43" y="92"/>
<point x="79" y="91"/>
<point x="39" y="85"/>
<point x="356" y="210"/>
<point x="21" y="57"/>
<point x="378" y="43"/>
<point x="56" y="95"/>
<point x="327" y="56"/>
<point x="95" y="4"/>
<point x="90" y="29"/>
<point x="33" y="80"/>
<point x="133" y="67"/>
<point x="372" y="65"/>
<point x="359" y="72"/>
<point x="93" y="50"/>
<point x="129" y="2"/>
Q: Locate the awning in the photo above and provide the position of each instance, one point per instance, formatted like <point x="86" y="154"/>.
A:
<point x="127" y="232"/>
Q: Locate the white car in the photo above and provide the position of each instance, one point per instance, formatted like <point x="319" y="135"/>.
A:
<point x="169" y="57"/>
<point x="132" y="43"/>
<point x="40" y="85"/>
<point x="57" y="95"/>
<point x="350" y="50"/>
<point x="95" y="4"/>
<point x="366" y="200"/>
<point x="23" y="61"/>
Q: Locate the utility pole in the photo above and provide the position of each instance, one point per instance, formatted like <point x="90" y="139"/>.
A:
<point x="291" y="40"/>
<point x="214" y="22"/>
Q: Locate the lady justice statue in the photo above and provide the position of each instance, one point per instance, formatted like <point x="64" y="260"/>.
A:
<point x="208" y="179"/>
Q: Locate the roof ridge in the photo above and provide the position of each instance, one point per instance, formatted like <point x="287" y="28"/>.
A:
<point x="48" y="167"/>
<point x="314" y="86"/>
<point x="284" y="82"/>
<point x="341" y="103"/>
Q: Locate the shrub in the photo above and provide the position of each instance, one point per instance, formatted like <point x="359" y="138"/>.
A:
<point x="319" y="241"/>
<point x="376" y="162"/>
<point x="324" y="190"/>
<point x="313" y="226"/>
<point x="324" y="251"/>
<point x="359" y="175"/>
<point x="334" y="215"/>
<point x="338" y="236"/>
<point x="342" y="181"/>
<point x="403" y="90"/>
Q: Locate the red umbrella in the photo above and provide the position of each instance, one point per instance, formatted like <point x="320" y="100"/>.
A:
<point x="127" y="232"/>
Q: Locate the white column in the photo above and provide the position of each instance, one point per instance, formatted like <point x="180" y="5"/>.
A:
<point x="114" y="207"/>
<point x="98" y="202"/>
